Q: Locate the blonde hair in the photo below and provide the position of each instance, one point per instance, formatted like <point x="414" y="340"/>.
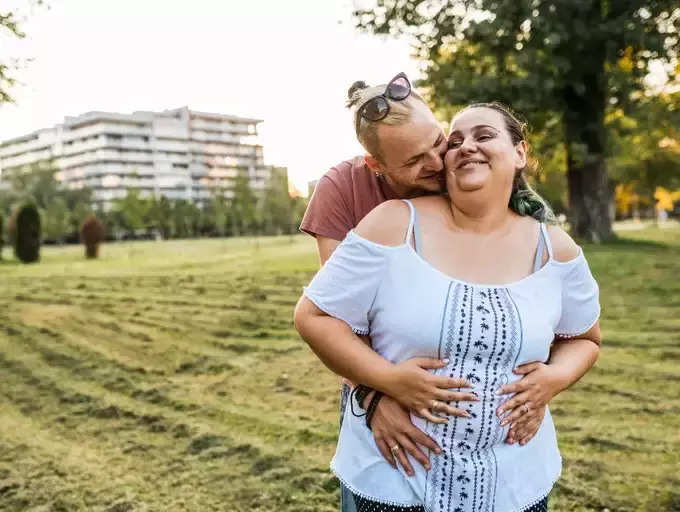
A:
<point x="400" y="113"/>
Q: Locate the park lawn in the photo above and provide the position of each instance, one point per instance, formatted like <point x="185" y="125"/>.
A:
<point x="168" y="376"/>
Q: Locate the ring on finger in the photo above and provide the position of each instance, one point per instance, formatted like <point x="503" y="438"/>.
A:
<point x="435" y="405"/>
<point x="394" y="449"/>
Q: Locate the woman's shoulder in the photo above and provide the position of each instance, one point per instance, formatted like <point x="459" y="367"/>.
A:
<point x="563" y="246"/>
<point x="386" y="224"/>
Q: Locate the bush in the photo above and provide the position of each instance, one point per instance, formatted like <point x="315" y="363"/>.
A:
<point x="92" y="234"/>
<point x="2" y="234"/>
<point x="25" y="232"/>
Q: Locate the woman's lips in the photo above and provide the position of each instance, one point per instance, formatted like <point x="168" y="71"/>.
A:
<point x="469" y="163"/>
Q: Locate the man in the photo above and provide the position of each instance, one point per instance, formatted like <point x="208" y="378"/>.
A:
<point x="405" y="159"/>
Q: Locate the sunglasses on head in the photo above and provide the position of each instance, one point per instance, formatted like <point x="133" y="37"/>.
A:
<point x="377" y="108"/>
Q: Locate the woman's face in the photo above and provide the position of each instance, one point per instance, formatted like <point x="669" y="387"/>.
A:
<point x="481" y="153"/>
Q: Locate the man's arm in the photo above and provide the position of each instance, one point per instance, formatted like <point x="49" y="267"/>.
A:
<point x="326" y="246"/>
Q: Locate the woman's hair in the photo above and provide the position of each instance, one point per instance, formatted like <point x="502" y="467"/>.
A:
<point x="524" y="200"/>
<point x="400" y="112"/>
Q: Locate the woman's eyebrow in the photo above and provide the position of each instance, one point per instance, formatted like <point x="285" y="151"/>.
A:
<point x="476" y="127"/>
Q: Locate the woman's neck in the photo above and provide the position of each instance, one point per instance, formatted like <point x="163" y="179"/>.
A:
<point x="479" y="216"/>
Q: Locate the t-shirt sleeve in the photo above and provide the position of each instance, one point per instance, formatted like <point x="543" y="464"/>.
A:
<point x="580" y="299"/>
<point x="328" y="212"/>
<point x="346" y="286"/>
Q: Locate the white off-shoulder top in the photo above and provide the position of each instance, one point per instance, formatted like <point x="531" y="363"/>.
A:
<point x="412" y="309"/>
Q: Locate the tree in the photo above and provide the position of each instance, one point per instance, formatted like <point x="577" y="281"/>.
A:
<point x="569" y="58"/>
<point x="133" y="211"/>
<point x="63" y="208"/>
<point x="92" y="235"/>
<point x="57" y="220"/>
<point x="2" y="233"/>
<point x="10" y="23"/>
<point x="276" y="204"/>
<point x="25" y="232"/>
<point x="161" y="216"/>
<point x="243" y="207"/>
<point x="645" y="147"/>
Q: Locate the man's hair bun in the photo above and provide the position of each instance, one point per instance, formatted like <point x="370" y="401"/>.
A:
<point x="360" y="84"/>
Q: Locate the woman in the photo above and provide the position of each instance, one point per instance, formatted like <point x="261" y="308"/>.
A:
<point x="414" y="273"/>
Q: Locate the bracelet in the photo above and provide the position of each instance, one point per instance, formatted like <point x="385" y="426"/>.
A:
<point x="352" y="396"/>
<point x="371" y="408"/>
<point x="361" y="393"/>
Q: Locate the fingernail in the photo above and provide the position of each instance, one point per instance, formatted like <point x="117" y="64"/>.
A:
<point x="499" y="391"/>
<point x="427" y="468"/>
<point x="504" y="422"/>
<point x="467" y="415"/>
<point x="438" y="450"/>
<point x="445" y="361"/>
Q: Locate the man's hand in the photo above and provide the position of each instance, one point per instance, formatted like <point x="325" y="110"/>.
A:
<point x="392" y="426"/>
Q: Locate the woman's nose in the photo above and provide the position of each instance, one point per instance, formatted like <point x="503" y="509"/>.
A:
<point x="468" y="145"/>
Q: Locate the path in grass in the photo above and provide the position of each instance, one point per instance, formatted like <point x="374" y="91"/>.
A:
<point x="167" y="376"/>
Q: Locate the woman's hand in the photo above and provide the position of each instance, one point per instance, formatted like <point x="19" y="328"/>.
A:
<point x="525" y="411"/>
<point x="420" y="391"/>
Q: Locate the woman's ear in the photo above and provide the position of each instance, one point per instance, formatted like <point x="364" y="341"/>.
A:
<point x="521" y="155"/>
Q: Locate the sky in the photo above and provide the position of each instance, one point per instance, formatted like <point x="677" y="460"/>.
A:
<point x="288" y="63"/>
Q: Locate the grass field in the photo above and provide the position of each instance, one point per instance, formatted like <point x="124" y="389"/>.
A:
<point x="168" y="376"/>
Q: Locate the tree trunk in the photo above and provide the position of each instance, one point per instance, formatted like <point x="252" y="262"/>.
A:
<point x="589" y="191"/>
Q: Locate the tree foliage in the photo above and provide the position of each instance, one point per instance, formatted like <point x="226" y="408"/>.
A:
<point x="2" y="233"/>
<point x="549" y="59"/>
<point x="63" y="209"/>
<point x="92" y="235"/>
<point x="10" y="26"/>
<point x="25" y="232"/>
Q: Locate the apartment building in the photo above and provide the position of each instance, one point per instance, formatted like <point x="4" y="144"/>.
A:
<point x="177" y="153"/>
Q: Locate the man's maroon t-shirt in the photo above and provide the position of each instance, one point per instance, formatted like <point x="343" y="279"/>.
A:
<point x="343" y="196"/>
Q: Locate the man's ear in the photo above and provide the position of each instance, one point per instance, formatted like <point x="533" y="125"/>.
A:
<point x="372" y="163"/>
<point x="521" y="154"/>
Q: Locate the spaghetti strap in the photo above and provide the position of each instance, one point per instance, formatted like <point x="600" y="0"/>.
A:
<point x="546" y="239"/>
<point x="411" y="222"/>
<point x="417" y="241"/>
<point x="413" y="229"/>
<point x="543" y="243"/>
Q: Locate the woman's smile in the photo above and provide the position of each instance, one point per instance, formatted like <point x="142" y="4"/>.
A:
<point x="470" y="163"/>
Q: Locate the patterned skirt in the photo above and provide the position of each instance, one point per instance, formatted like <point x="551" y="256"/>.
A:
<point x="366" y="505"/>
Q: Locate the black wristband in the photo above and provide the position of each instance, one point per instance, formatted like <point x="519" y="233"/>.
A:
<point x="361" y="393"/>
<point x="352" y="396"/>
<point x="371" y="408"/>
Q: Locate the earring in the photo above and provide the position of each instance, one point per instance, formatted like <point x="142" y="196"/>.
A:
<point x="378" y="175"/>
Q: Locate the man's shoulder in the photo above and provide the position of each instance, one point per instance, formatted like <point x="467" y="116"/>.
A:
<point x="349" y="171"/>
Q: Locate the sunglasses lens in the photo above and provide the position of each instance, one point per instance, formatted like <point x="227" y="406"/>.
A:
<point x="399" y="89"/>
<point x="376" y="109"/>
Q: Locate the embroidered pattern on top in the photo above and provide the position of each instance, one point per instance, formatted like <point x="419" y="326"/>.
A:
<point x="481" y="337"/>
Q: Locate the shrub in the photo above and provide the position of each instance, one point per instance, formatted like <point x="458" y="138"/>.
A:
<point x="25" y="232"/>
<point x="92" y="234"/>
<point x="2" y="234"/>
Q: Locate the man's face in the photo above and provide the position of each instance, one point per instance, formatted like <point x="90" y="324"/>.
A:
<point x="413" y="154"/>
